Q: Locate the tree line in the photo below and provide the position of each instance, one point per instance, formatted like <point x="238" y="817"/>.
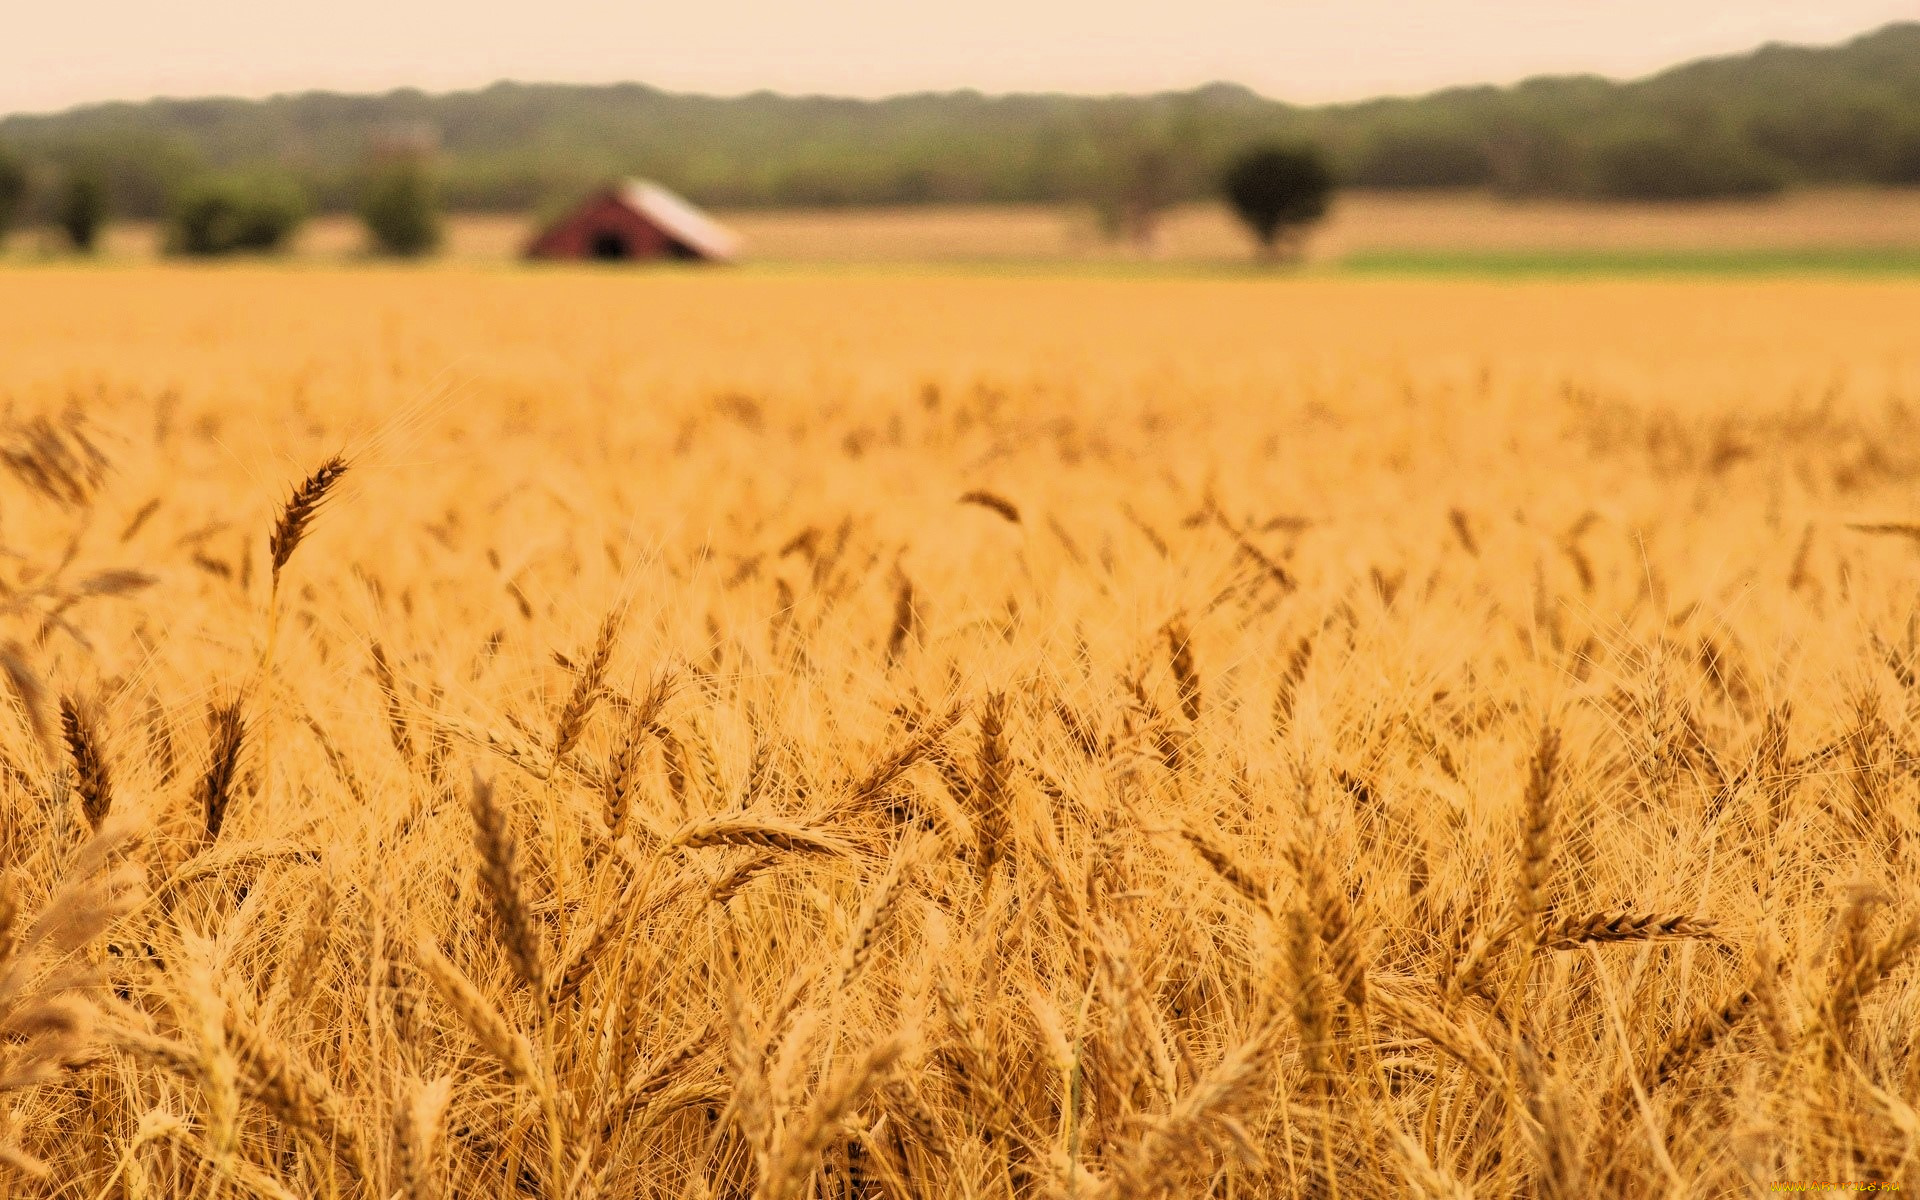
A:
<point x="1743" y="125"/>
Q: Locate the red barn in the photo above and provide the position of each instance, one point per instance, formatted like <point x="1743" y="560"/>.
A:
<point x="636" y="220"/>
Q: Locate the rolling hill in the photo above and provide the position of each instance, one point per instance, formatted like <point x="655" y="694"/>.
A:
<point x="1750" y="123"/>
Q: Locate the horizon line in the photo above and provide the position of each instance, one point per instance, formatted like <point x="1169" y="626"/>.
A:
<point x="934" y="92"/>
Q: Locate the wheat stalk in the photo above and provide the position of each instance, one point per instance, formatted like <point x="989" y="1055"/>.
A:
<point x="297" y="1093"/>
<point x="589" y="684"/>
<point x="298" y="512"/>
<point x="1536" y="842"/>
<point x="767" y="832"/>
<point x="1606" y="927"/>
<point x="510" y="1049"/>
<point x="1230" y="870"/>
<point x="228" y="737"/>
<point x="871" y="923"/>
<point x="506" y="886"/>
<point x="1186" y="676"/>
<point x="419" y="1137"/>
<point x="994" y="503"/>
<point x="798" y="1156"/>
<point x="93" y="783"/>
<point x="989" y="797"/>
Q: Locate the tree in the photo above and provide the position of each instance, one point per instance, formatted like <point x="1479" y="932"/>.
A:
<point x="1144" y="164"/>
<point x="1278" y="191"/>
<point x="234" y="214"/>
<point x="400" y="208"/>
<point x="1139" y="187"/>
<point x="81" y="209"/>
<point x="13" y="189"/>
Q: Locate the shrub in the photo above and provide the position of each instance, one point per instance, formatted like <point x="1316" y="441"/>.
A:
<point x="1279" y="190"/>
<point x="401" y="209"/>
<point x="81" y="209"/>
<point x="236" y="214"/>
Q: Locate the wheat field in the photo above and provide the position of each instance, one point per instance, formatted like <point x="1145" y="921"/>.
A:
<point x="477" y="733"/>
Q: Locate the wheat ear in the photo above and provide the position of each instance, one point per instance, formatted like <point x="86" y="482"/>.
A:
<point x="93" y="783"/>
<point x="420" y="1137"/>
<point x="771" y="833"/>
<point x="506" y="886"/>
<point x="508" y="1047"/>
<point x="228" y="737"/>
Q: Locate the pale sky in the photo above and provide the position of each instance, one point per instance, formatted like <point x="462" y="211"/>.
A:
<point x="53" y="55"/>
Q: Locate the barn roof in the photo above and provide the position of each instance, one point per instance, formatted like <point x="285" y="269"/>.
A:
<point x="679" y="219"/>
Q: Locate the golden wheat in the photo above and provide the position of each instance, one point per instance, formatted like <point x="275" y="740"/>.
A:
<point x="1347" y="738"/>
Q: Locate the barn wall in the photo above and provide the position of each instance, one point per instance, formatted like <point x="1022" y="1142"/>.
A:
<point x="573" y="236"/>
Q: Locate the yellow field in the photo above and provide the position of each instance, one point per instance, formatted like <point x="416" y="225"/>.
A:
<point x="1361" y="222"/>
<point x="868" y="736"/>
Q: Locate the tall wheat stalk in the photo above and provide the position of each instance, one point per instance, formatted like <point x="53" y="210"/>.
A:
<point x="289" y="530"/>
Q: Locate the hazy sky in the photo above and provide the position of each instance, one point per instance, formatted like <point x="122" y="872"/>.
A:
<point x="53" y="55"/>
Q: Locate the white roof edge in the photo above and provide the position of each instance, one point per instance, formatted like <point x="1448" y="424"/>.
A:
<point x="680" y="218"/>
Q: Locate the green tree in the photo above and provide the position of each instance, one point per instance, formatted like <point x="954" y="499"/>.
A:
<point x="81" y="209"/>
<point x="1144" y="164"/>
<point x="401" y="209"/>
<point x="1140" y="187"/>
<point x="233" y="214"/>
<point x="1278" y="191"/>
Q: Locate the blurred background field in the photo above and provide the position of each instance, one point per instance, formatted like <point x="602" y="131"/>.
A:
<point x="1856" y="229"/>
<point x="1785" y="157"/>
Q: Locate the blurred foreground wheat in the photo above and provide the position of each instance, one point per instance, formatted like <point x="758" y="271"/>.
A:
<point x="916" y="738"/>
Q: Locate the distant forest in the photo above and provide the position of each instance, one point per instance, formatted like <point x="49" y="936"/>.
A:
<point x="1742" y="125"/>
